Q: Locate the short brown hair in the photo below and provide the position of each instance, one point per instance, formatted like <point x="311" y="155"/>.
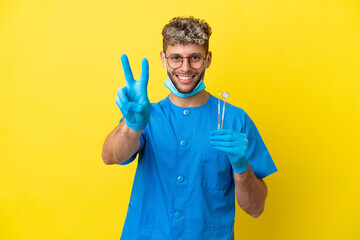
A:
<point x="184" y="30"/>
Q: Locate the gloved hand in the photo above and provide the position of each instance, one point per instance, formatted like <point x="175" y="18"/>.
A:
<point x="234" y="144"/>
<point x="132" y="99"/>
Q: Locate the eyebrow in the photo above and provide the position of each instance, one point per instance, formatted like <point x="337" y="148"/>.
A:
<point x="192" y="54"/>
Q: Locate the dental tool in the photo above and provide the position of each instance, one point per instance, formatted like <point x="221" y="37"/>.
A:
<point x="219" y="111"/>
<point x="225" y="95"/>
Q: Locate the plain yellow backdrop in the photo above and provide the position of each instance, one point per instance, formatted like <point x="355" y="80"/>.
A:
<point x="292" y="65"/>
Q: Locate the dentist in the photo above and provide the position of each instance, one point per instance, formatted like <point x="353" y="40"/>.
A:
<point x="188" y="171"/>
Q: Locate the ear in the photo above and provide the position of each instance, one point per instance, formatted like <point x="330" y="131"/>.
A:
<point x="209" y="59"/>
<point x="162" y="57"/>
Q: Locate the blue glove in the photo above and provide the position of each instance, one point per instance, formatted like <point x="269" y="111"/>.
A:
<point x="234" y="144"/>
<point x="132" y="99"/>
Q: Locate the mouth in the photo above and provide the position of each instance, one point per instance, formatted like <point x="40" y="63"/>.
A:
<point x="185" y="78"/>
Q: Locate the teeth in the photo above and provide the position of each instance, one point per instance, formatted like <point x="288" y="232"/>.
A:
<point x="184" y="78"/>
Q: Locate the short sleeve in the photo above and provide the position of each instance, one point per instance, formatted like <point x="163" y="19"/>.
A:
<point x="257" y="154"/>
<point x="142" y="143"/>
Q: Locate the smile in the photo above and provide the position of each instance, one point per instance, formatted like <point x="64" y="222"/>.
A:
<point x="185" y="78"/>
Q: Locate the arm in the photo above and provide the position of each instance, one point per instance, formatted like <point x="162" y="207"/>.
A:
<point x="134" y="105"/>
<point x="251" y="192"/>
<point x="120" y="144"/>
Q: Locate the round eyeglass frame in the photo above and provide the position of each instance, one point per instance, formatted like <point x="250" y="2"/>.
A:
<point x="182" y="61"/>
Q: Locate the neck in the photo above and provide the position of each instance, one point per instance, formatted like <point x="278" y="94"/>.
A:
<point x="193" y="101"/>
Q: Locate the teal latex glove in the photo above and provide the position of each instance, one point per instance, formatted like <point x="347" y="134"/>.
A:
<point x="132" y="99"/>
<point x="234" y="144"/>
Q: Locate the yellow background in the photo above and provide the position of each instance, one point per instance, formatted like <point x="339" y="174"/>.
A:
<point x="293" y="65"/>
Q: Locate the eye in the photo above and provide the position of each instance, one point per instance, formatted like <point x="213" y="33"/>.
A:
<point x="195" y="58"/>
<point x="175" y="58"/>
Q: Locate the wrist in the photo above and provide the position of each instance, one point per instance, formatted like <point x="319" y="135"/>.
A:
<point x="240" y="166"/>
<point x="136" y="126"/>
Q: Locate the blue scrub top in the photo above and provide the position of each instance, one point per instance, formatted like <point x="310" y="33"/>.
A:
<point x="183" y="187"/>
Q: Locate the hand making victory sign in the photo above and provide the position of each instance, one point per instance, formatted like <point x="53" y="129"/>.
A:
<point x="132" y="99"/>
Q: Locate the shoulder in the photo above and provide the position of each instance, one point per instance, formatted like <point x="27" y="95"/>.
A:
<point x="235" y="109"/>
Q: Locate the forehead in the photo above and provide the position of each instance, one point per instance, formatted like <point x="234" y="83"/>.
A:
<point x="185" y="50"/>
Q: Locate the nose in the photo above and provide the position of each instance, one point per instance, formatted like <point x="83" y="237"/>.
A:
<point x="185" y="65"/>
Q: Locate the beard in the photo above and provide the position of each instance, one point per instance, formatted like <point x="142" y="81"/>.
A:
<point x="194" y="84"/>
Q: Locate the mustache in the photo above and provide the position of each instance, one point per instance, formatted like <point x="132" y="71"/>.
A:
<point x="185" y="73"/>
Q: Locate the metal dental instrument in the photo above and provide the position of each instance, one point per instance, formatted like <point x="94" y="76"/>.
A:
<point x="219" y="111"/>
<point x="225" y="95"/>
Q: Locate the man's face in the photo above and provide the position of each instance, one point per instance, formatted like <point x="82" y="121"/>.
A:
<point x="185" y="78"/>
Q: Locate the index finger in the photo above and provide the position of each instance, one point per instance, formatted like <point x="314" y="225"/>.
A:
<point x="218" y="132"/>
<point x="144" y="78"/>
<point x="127" y="70"/>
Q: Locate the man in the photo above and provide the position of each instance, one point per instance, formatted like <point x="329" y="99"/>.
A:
<point x="188" y="169"/>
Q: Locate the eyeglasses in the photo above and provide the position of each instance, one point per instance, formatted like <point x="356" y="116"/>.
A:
<point x="196" y="61"/>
